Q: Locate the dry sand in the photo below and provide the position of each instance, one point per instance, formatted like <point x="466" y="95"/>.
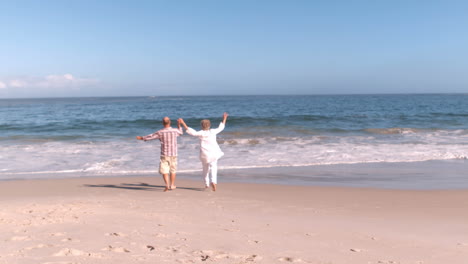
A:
<point x="131" y="220"/>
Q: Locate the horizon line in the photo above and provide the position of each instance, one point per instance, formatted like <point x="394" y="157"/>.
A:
<point x="232" y="95"/>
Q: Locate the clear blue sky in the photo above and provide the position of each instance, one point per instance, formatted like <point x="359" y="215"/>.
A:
<point x="105" y="48"/>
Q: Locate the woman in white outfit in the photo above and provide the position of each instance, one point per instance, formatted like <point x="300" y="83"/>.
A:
<point x="210" y="151"/>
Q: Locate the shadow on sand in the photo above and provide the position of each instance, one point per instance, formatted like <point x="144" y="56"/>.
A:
<point x="139" y="187"/>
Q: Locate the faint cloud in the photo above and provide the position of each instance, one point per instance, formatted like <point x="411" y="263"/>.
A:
<point x="17" y="83"/>
<point x="66" y="80"/>
<point x="49" y="81"/>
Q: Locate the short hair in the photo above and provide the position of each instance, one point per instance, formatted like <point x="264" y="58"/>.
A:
<point x="205" y="124"/>
<point x="166" y="121"/>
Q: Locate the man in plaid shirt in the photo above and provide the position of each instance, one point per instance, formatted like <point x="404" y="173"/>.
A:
<point x="168" y="161"/>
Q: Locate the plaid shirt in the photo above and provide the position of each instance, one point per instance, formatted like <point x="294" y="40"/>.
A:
<point x="168" y="137"/>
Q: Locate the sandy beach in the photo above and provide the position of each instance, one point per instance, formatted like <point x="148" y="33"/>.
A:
<point x="131" y="220"/>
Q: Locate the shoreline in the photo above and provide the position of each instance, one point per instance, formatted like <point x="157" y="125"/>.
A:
<point x="131" y="220"/>
<point x="421" y="175"/>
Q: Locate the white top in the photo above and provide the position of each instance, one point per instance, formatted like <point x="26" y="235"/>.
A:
<point x="209" y="148"/>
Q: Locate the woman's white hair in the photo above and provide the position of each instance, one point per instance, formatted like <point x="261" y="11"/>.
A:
<point x="205" y="124"/>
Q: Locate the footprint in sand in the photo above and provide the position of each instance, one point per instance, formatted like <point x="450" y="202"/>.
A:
<point x="71" y="252"/>
<point x="151" y="248"/>
<point x="202" y="253"/>
<point x="39" y="246"/>
<point x="160" y="235"/>
<point x="116" y="249"/>
<point x="115" y="234"/>
<point x="57" y="234"/>
<point x="172" y="249"/>
<point x="290" y="259"/>
<point x="210" y="255"/>
<point x="20" y="238"/>
<point x="68" y="239"/>
<point x="231" y="230"/>
<point x="253" y="258"/>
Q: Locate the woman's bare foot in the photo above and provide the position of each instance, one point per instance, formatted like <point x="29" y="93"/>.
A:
<point x="213" y="187"/>
<point x="173" y="187"/>
<point x="166" y="189"/>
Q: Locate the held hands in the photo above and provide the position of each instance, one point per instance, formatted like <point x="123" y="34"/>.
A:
<point x="182" y="122"/>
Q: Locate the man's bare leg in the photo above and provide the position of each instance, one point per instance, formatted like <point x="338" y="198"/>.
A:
<point x="173" y="176"/>
<point x="166" y="181"/>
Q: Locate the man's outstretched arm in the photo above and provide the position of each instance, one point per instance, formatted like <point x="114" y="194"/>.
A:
<point x="148" y="137"/>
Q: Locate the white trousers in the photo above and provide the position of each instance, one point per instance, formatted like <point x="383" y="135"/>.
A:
<point x="213" y="168"/>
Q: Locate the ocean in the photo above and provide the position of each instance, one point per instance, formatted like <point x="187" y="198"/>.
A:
<point x="79" y="137"/>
